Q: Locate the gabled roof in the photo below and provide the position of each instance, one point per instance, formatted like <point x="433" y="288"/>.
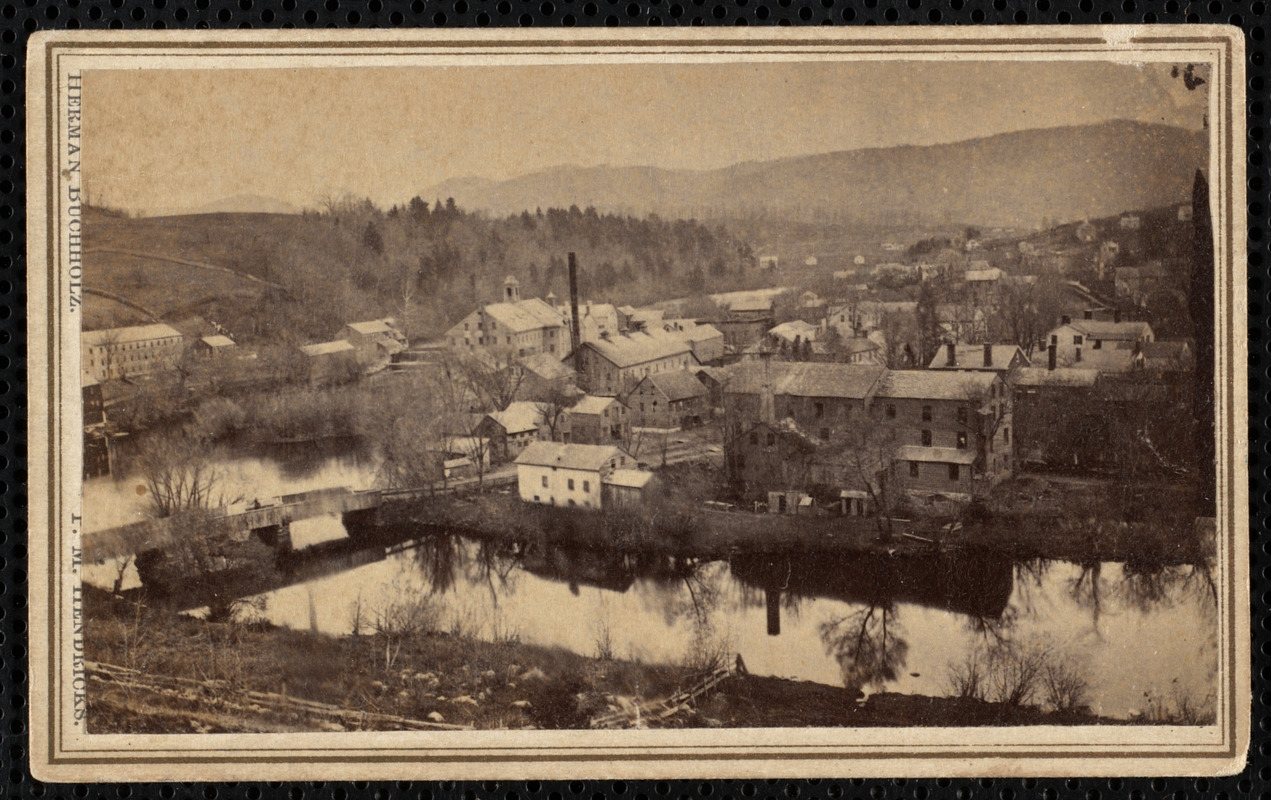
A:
<point x="751" y="304"/>
<point x="1166" y="350"/>
<point x="630" y="478"/>
<point x="801" y="379"/>
<point x="1104" y="329"/>
<point x="926" y="384"/>
<point x="795" y="328"/>
<point x="588" y="457"/>
<point x="718" y="374"/>
<point x="525" y="315"/>
<point x="681" y="384"/>
<point x="629" y="350"/>
<point x="1060" y="376"/>
<point x="547" y="366"/>
<point x="857" y="344"/>
<point x="593" y="405"/>
<point x="971" y="356"/>
<point x="327" y="348"/>
<point x="371" y="327"/>
<point x="935" y="455"/>
<point x="135" y="333"/>
<point x="218" y="341"/>
<point x="701" y="333"/>
<point x="519" y="417"/>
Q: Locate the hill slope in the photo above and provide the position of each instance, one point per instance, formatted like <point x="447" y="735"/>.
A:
<point x="1014" y="179"/>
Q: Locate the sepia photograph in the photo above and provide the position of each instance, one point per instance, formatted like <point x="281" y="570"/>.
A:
<point x="685" y="393"/>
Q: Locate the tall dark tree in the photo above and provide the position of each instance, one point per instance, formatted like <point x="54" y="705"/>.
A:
<point x="928" y="314"/>
<point x="372" y="240"/>
<point x="1202" y="312"/>
<point x="418" y="208"/>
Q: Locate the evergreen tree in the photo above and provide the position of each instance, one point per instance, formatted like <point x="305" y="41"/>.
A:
<point x="372" y="240"/>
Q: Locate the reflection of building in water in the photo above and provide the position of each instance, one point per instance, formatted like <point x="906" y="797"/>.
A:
<point x="612" y="570"/>
<point x="580" y="567"/>
<point x="973" y="584"/>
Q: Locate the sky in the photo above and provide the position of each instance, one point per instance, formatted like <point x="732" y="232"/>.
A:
<point x="165" y="140"/>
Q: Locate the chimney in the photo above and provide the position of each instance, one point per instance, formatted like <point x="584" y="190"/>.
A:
<point x="950" y="355"/>
<point x="1116" y="315"/>
<point x="988" y="355"/>
<point x="1050" y="358"/>
<point x="1089" y="313"/>
<point x="1065" y="320"/>
<point x="575" y="333"/>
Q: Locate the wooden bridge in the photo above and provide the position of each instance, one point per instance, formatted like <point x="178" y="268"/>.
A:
<point x="270" y="519"/>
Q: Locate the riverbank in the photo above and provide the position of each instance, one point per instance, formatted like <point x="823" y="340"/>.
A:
<point x="156" y="671"/>
<point x="1079" y="524"/>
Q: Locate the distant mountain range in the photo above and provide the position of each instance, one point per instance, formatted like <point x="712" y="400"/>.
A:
<point x="242" y="204"/>
<point x="1014" y="180"/>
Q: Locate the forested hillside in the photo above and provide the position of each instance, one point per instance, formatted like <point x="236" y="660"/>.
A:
<point x="429" y="263"/>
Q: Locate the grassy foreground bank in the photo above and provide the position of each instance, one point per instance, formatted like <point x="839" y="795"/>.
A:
<point x="170" y="673"/>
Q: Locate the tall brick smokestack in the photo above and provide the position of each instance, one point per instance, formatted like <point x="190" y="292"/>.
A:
<point x="575" y="333"/>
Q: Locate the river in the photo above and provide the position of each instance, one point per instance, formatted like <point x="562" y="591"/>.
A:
<point x="1139" y="638"/>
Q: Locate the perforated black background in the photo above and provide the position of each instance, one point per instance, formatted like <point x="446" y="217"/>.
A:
<point x="19" y="19"/>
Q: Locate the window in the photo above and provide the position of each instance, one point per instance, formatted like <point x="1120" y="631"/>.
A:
<point x="825" y="434"/>
<point x="962" y="440"/>
<point x="891" y="410"/>
<point x="586" y="486"/>
<point x="1098" y="344"/>
<point x="1077" y="356"/>
<point x="954" y="472"/>
<point x="1006" y="435"/>
<point x="926" y="438"/>
<point x="572" y="504"/>
<point x="926" y="413"/>
<point x="1054" y="339"/>
<point x="544" y="481"/>
<point x="820" y="410"/>
<point x="772" y="439"/>
<point x="754" y="437"/>
<point x="571" y="484"/>
<point x="913" y="469"/>
<point x="962" y="409"/>
<point x="1076" y="340"/>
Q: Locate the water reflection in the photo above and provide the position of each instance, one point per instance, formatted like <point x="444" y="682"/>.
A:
<point x="868" y="639"/>
<point x="895" y="624"/>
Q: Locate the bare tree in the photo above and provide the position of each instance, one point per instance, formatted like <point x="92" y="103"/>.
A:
<point x="180" y="475"/>
<point x="111" y="357"/>
<point x="898" y="332"/>
<point x="868" y="643"/>
<point x="553" y="411"/>
<point x="1023" y="313"/>
<point x="494" y="376"/>
<point x="409" y="429"/>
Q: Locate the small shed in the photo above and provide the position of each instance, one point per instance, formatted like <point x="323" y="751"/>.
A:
<point x="626" y="488"/>
<point x="214" y="346"/>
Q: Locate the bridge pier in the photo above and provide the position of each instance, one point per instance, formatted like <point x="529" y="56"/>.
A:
<point x="361" y="523"/>
<point x="277" y="537"/>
